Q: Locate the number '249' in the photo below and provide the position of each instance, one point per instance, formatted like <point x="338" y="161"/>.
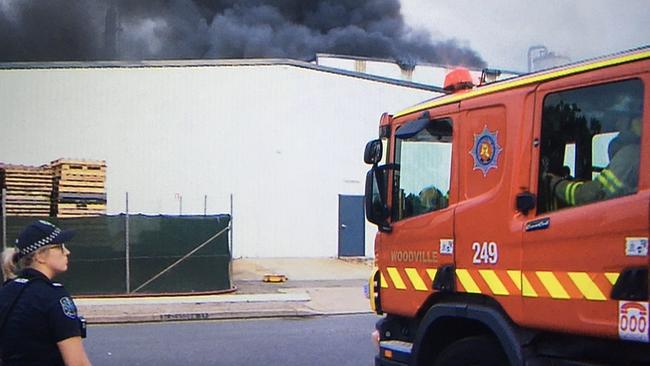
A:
<point x="486" y="253"/>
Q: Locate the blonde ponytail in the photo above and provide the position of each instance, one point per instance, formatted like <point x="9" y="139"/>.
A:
<point x="12" y="263"/>
<point x="9" y="263"/>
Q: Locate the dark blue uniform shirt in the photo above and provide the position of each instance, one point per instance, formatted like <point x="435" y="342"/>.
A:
<point x="43" y="315"/>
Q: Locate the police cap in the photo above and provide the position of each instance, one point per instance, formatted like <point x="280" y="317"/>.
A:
<point x="39" y="234"/>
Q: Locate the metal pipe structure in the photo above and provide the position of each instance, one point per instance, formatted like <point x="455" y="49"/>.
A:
<point x="230" y="242"/>
<point x="128" y="247"/>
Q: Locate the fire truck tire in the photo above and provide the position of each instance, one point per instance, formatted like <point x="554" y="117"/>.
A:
<point x="473" y="351"/>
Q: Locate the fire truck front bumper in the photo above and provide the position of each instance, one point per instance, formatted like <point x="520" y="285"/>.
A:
<point x="393" y="353"/>
<point x="379" y="361"/>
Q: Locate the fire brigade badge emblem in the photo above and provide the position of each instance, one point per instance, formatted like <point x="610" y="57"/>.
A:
<point x="485" y="151"/>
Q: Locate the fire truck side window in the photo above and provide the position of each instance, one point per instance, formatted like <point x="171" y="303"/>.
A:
<point x="421" y="183"/>
<point x="590" y="144"/>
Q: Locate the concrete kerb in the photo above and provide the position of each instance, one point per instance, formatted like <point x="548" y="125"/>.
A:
<point x="290" y="304"/>
<point x="182" y="316"/>
<point x="235" y="315"/>
<point x="193" y="299"/>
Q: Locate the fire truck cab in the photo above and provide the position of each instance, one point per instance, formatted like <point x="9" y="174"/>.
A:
<point x="513" y="221"/>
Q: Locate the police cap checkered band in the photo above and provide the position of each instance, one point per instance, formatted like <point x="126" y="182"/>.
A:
<point x="39" y="234"/>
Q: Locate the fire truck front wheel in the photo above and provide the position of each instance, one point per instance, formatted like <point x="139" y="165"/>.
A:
<point x="473" y="351"/>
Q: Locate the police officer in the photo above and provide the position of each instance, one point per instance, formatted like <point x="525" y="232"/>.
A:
<point x="39" y="321"/>
<point x="619" y="178"/>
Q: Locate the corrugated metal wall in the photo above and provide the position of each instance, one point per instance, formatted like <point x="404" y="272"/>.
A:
<point x="284" y="140"/>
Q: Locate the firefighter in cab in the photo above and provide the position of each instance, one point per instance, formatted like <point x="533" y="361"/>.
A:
<point x="619" y="178"/>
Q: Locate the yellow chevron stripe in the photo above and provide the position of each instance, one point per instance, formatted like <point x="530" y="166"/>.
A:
<point x="553" y="286"/>
<point x="612" y="277"/>
<point x="587" y="286"/>
<point x="432" y="273"/>
<point x="467" y="281"/>
<point x="582" y="280"/>
<point x="515" y="276"/>
<point x="416" y="280"/>
<point x="396" y="278"/>
<point x="493" y="281"/>
<point x="382" y="280"/>
<point x="527" y="288"/>
<point x="525" y="80"/>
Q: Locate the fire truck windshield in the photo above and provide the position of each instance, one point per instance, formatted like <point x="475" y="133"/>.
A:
<point x="421" y="184"/>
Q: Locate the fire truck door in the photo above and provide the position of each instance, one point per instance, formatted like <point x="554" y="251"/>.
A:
<point x="422" y="214"/>
<point x="586" y="247"/>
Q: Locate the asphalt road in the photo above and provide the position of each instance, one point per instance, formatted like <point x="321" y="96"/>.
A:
<point x="333" y="340"/>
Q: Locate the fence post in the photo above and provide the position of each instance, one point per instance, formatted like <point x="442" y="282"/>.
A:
<point x="128" y="247"/>
<point x="230" y="242"/>
<point x="4" y="218"/>
<point x="231" y="225"/>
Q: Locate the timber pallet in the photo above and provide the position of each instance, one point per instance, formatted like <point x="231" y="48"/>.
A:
<point x="78" y="187"/>
<point x="28" y="188"/>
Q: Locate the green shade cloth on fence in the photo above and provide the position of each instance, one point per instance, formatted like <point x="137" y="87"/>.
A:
<point x="98" y="261"/>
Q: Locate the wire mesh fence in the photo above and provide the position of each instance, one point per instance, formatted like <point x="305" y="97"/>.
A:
<point x="163" y="253"/>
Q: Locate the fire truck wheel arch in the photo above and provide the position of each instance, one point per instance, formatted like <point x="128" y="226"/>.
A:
<point x="493" y="319"/>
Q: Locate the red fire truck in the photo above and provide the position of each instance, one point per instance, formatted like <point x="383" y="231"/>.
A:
<point x="513" y="220"/>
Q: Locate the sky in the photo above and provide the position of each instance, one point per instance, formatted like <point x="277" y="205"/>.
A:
<point x="501" y="31"/>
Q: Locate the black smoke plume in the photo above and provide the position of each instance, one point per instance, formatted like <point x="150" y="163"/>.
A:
<point x="90" y="30"/>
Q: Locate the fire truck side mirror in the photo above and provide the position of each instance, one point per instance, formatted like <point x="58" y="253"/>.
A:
<point x="375" y="197"/>
<point x="373" y="152"/>
<point x="525" y="202"/>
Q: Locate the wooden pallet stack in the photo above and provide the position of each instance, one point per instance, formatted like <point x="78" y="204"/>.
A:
<point x="29" y="189"/>
<point x="79" y="188"/>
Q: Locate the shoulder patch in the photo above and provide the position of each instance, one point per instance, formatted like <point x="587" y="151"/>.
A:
<point x="68" y="307"/>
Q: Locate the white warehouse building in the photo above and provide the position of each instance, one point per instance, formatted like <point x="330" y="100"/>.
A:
<point x="285" y="138"/>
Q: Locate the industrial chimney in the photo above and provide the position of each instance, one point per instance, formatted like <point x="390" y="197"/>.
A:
<point x="111" y="29"/>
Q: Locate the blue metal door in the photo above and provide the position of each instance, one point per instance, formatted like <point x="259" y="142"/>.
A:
<point x="351" y="226"/>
